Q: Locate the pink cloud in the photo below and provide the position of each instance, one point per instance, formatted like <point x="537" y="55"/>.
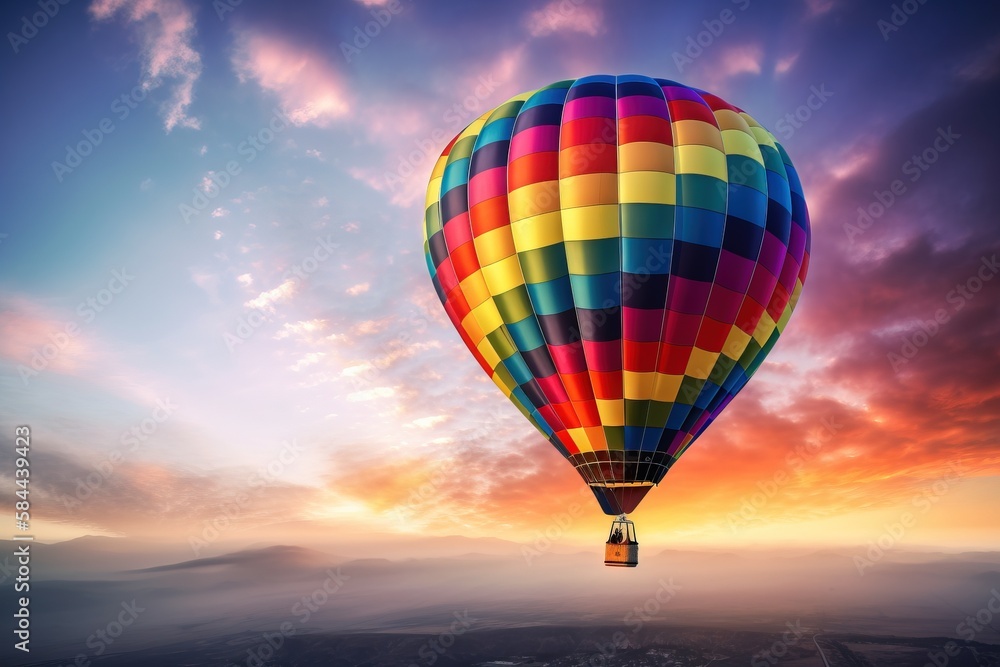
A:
<point x="786" y="63"/>
<point x="559" y="16"/>
<point x="743" y="59"/>
<point x="38" y="342"/>
<point x="309" y="89"/>
<point x="165" y="28"/>
<point x="415" y="141"/>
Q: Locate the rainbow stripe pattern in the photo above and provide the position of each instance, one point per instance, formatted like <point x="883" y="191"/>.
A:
<point x="619" y="254"/>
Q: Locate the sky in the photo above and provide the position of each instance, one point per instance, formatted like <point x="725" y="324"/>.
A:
<point x="216" y="318"/>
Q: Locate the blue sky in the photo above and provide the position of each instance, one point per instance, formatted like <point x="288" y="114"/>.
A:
<point x="294" y="305"/>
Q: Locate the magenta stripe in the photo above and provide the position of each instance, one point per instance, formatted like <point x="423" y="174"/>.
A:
<point x="487" y="185"/>
<point x="789" y="272"/>
<point x="772" y="253"/>
<point x="457" y="231"/>
<point x="675" y="93"/>
<point x="724" y="304"/>
<point x="642" y="105"/>
<point x="734" y="271"/>
<point x="681" y="329"/>
<point x="687" y="296"/>
<point x="538" y="139"/>
<point x="641" y="325"/>
<point x="589" y="107"/>
<point x="553" y="389"/>
<point x="568" y="359"/>
<point x="762" y="285"/>
<point x="604" y="356"/>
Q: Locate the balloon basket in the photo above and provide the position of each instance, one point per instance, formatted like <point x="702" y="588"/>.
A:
<point x="622" y="548"/>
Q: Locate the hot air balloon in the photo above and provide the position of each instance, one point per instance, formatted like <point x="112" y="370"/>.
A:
<point x="619" y="254"/>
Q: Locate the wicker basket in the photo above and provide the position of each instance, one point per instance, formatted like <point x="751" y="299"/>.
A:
<point x="621" y="555"/>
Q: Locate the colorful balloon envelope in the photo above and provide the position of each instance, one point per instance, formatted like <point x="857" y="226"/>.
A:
<point x="619" y="254"/>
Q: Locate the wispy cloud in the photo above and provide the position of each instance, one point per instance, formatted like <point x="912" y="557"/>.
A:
<point x="38" y="340"/>
<point x="308" y="87"/>
<point x="165" y="28"/>
<point x="266" y="300"/>
<point x="561" y="16"/>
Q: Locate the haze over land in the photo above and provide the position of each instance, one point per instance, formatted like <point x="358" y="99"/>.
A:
<point x="494" y="584"/>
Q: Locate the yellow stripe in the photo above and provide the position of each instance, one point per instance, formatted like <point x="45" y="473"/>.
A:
<point x="498" y="381"/>
<point x="730" y="120"/>
<point x="702" y="160"/>
<point x="701" y="363"/>
<point x="471" y="326"/>
<point x="537" y="231"/>
<point x="474" y="127"/>
<point x="488" y="317"/>
<point x="433" y="193"/>
<point x="764" y="329"/>
<point x="785" y="315"/>
<point x="638" y="386"/>
<point x="739" y="142"/>
<point x="763" y="137"/>
<point x="790" y="306"/>
<point x="696" y="133"/>
<point x="665" y="387"/>
<point x="645" y="156"/>
<point x="736" y="342"/>
<point x="475" y="290"/>
<point x="503" y="275"/>
<point x="648" y="187"/>
<point x="588" y="190"/>
<point x="612" y="411"/>
<point x="533" y="199"/>
<point x="590" y="222"/>
<point x="494" y="245"/>
<point x="580" y="439"/>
